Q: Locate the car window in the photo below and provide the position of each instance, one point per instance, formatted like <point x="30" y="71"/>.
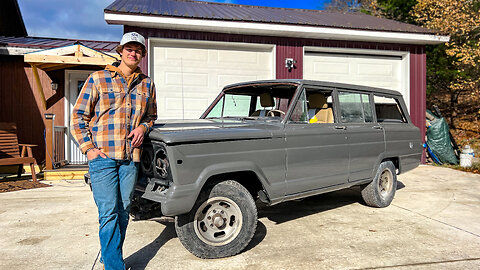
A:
<point x="300" y="111"/>
<point x="388" y="109"/>
<point x="314" y="107"/>
<point x="258" y="105"/>
<point x="236" y="105"/>
<point x="319" y="106"/>
<point x="217" y="110"/>
<point x="254" y="101"/>
<point x="355" y="108"/>
<point x="231" y="105"/>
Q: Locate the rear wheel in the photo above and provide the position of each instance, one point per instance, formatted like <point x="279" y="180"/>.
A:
<point x="380" y="192"/>
<point x="222" y="222"/>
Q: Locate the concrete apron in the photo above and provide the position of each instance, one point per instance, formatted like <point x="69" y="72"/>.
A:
<point x="433" y="223"/>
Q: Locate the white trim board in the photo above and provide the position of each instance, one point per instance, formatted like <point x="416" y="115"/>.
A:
<point x="282" y="30"/>
<point x="16" y="50"/>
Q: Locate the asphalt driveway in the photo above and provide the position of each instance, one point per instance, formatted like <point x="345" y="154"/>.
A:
<point x="433" y="223"/>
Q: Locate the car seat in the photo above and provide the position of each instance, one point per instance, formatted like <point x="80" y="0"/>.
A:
<point x="266" y="100"/>
<point x="319" y="112"/>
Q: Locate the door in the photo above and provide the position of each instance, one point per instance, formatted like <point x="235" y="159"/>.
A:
<point x="74" y="83"/>
<point x="317" y="153"/>
<point x="189" y="75"/>
<point x="366" y="140"/>
<point x="354" y="67"/>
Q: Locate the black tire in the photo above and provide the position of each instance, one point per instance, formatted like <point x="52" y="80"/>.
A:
<point x="221" y="223"/>
<point x="380" y="192"/>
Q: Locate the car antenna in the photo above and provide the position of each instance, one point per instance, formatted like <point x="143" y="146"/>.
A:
<point x="183" y="102"/>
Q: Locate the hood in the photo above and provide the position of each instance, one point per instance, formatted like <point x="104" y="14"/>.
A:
<point x="211" y="130"/>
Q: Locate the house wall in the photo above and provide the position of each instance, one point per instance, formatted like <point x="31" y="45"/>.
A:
<point x="20" y="101"/>
<point x="293" y="48"/>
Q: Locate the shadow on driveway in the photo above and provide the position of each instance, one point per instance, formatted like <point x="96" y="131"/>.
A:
<point x="140" y="259"/>
<point x="279" y="213"/>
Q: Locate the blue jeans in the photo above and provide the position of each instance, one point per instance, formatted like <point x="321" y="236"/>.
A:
<point x="113" y="183"/>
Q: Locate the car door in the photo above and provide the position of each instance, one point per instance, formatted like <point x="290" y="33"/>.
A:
<point x="366" y="138"/>
<point x="402" y="138"/>
<point x="317" y="153"/>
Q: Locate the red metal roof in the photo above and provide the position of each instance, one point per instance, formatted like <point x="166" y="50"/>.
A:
<point x="48" y="43"/>
<point x="258" y="14"/>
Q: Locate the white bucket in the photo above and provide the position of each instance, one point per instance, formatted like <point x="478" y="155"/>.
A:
<point x="466" y="157"/>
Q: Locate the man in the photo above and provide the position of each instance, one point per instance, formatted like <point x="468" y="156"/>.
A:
<point x="114" y="110"/>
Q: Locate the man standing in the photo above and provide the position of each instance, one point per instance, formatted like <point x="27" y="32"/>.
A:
<point x="114" y="110"/>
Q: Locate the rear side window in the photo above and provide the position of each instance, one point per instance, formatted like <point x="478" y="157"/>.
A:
<point x="355" y="108"/>
<point x="388" y="110"/>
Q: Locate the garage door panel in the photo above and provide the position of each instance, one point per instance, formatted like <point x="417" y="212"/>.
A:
<point x="331" y="68"/>
<point x="230" y="79"/>
<point x="229" y="57"/>
<point x="199" y="73"/>
<point x="361" y="69"/>
<point x="186" y="54"/>
<point x="195" y="104"/>
<point x="198" y="79"/>
<point x="376" y="70"/>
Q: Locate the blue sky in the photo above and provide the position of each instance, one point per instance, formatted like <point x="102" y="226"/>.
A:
<point x="83" y="19"/>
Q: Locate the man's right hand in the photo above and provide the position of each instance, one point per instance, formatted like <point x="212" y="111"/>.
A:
<point x="94" y="153"/>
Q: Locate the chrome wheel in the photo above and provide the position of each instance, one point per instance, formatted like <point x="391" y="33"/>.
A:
<point x="385" y="183"/>
<point x="218" y="221"/>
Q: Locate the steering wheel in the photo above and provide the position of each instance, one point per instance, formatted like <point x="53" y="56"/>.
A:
<point x="272" y="112"/>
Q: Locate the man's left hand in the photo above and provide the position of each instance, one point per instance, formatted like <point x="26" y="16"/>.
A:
<point x="137" y="136"/>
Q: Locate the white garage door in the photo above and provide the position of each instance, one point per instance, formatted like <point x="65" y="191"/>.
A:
<point x="188" y="75"/>
<point x="361" y="69"/>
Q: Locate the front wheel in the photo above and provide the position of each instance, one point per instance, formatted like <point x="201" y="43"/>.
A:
<point x="380" y="192"/>
<point x="221" y="223"/>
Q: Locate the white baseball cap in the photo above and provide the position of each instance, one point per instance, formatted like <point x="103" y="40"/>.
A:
<point x="132" y="37"/>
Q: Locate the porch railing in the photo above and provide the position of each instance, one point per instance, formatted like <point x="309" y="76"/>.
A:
<point x="59" y="138"/>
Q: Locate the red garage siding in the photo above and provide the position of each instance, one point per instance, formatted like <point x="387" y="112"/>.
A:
<point x="289" y="51"/>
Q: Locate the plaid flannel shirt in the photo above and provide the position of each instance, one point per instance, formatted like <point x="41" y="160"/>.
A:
<point x="107" y="110"/>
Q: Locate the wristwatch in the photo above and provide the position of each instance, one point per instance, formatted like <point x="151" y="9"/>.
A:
<point x="86" y="152"/>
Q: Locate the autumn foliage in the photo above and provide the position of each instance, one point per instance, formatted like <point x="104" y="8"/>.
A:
<point x="461" y="20"/>
<point x="453" y="75"/>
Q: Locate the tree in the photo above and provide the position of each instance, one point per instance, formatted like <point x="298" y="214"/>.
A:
<point x="345" y="5"/>
<point x="398" y="10"/>
<point x="391" y="9"/>
<point x="453" y="68"/>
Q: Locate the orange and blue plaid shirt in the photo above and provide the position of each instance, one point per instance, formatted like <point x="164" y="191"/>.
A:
<point x="109" y="107"/>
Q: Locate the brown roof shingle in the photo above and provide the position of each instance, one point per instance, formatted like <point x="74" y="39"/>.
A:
<point x="48" y="43"/>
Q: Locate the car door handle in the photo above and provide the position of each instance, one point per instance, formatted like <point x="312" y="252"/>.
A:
<point x="340" y="127"/>
<point x="377" y="127"/>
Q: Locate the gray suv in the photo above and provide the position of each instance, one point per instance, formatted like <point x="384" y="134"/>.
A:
<point x="272" y="141"/>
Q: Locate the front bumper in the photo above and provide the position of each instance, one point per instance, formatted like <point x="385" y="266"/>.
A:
<point x="174" y="200"/>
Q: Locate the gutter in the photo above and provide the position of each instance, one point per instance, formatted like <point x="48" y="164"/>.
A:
<point x="280" y="30"/>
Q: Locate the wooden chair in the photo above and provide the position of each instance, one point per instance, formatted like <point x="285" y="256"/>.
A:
<point x="9" y="150"/>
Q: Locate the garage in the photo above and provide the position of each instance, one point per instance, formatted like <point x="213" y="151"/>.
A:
<point x="188" y="75"/>
<point x="361" y="67"/>
<point x="198" y="47"/>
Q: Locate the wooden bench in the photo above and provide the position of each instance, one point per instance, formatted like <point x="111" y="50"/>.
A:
<point x="9" y="150"/>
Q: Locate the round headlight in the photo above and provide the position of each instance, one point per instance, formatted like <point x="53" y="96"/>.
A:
<point x="161" y="163"/>
<point x="146" y="163"/>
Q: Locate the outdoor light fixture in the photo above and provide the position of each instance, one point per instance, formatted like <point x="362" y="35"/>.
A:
<point x="290" y="63"/>
<point x="49" y="116"/>
<point x="54" y="86"/>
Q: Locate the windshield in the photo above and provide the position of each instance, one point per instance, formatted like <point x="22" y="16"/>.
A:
<point x="254" y="102"/>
